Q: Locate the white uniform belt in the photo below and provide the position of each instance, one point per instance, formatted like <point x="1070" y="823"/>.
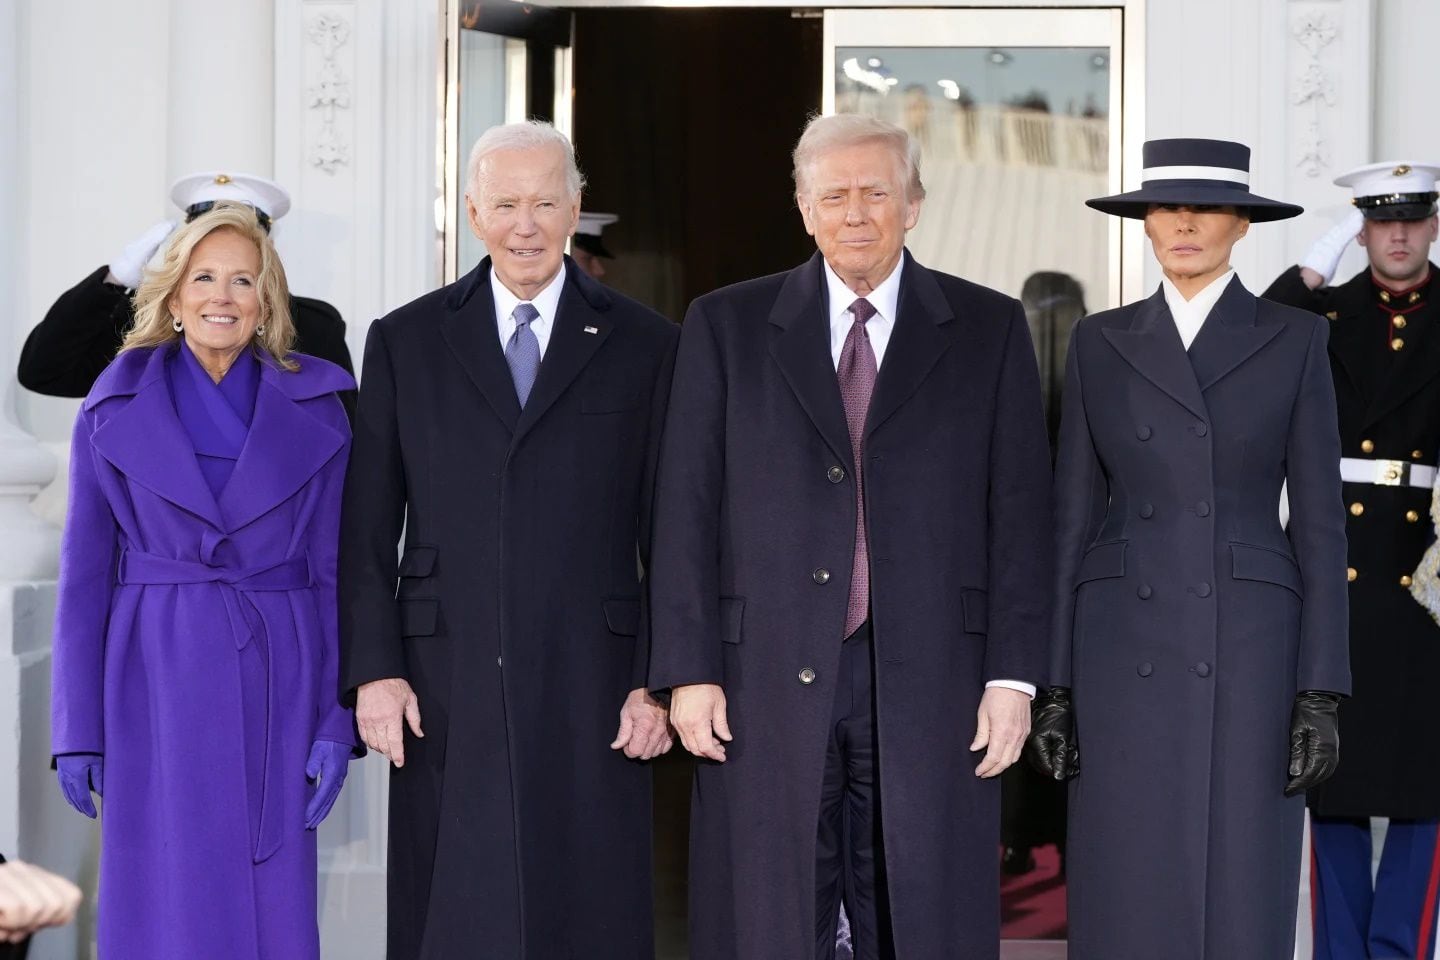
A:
<point x="1386" y="473"/>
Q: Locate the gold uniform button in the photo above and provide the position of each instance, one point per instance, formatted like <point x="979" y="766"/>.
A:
<point x="1416" y="454"/>
<point x="1414" y="298"/>
<point x="1356" y="509"/>
<point x="1411" y="516"/>
<point x="1332" y="315"/>
<point x="1397" y="344"/>
<point x="1405" y="580"/>
<point x="1351" y="573"/>
<point x="1400" y="323"/>
<point x="1367" y="445"/>
<point x="1384" y="296"/>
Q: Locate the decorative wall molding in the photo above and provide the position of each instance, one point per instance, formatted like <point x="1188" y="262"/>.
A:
<point x="1313" y="89"/>
<point x="330" y="92"/>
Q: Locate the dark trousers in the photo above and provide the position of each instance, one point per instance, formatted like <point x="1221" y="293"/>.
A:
<point x="1396" y="915"/>
<point x="849" y="853"/>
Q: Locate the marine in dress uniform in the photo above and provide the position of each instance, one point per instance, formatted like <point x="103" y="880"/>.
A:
<point x="586" y="248"/>
<point x="82" y="330"/>
<point x="1385" y="359"/>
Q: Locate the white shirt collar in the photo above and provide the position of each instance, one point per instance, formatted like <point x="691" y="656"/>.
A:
<point x="885" y="298"/>
<point x="546" y="303"/>
<point x="1189" y="315"/>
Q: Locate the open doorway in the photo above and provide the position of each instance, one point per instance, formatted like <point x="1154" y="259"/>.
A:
<point x="684" y="121"/>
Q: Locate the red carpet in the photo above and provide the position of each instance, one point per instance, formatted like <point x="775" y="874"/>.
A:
<point x="1032" y="906"/>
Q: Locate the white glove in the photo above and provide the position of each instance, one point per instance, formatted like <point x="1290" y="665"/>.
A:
<point x="1325" y="255"/>
<point x="127" y="269"/>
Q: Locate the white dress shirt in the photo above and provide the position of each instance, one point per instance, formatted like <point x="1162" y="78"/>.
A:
<point x="1190" y="314"/>
<point x="885" y="299"/>
<point x="547" y="302"/>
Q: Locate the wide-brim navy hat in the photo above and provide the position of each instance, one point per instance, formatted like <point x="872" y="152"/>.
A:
<point x="1190" y="172"/>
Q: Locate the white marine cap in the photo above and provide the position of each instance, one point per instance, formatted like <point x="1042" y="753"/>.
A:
<point x="587" y="233"/>
<point x="1393" y="190"/>
<point x="267" y="197"/>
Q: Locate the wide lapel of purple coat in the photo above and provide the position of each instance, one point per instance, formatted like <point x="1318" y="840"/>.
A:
<point x="143" y="438"/>
<point x="287" y="444"/>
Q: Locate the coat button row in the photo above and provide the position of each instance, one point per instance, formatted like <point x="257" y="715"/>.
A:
<point x="835" y="474"/>
<point x="821" y="575"/>
<point x="807" y="676"/>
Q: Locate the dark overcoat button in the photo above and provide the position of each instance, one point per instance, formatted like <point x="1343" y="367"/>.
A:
<point x="1145" y="669"/>
<point x="807" y="676"/>
<point x="835" y="474"/>
<point x="1201" y="429"/>
<point x="1144" y="591"/>
<point x="1143" y="432"/>
<point x="1202" y="669"/>
<point x="821" y="575"/>
<point x="1202" y="590"/>
<point x="1147" y="510"/>
<point x="1202" y="508"/>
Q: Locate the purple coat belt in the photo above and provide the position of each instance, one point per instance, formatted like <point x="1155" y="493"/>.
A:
<point x="247" y="623"/>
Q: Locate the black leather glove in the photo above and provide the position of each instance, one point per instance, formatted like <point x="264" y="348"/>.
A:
<point x="1314" y="740"/>
<point x="1051" y="747"/>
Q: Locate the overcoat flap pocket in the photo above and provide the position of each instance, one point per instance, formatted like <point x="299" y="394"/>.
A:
<point x="418" y="561"/>
<point x="732" y="615"/>
<point x="622" y="616"/>
<point x="1249" y="562"/>
<point x="1102" y="562"/>
<point x="611" y="402"/>
<point x="418" y="616"/>
<point x="977" y="609"/>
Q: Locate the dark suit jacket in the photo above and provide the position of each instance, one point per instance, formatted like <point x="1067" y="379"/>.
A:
<point x="1390" y="399"/>
<point x="82" y="331"/>
<point x="755" y="528"/>
<point x="517" y="617"/>
<point x="1187" y="619"/>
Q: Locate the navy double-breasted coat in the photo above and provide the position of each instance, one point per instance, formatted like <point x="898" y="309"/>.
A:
<point x="1187" y="619"/>
<point x="755" y="530"/>
<point x="515" y="831"/>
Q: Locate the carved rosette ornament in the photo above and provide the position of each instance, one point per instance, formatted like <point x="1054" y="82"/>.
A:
<point x="1313" y="86"/>
<point x="330" y="92"/>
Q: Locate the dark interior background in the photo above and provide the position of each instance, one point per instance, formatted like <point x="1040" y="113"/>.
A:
<point x="684" y="120"/>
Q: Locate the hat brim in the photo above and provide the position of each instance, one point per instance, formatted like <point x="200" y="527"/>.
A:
<point x="591" y="244"/>
<point x="1387" y="212"/>
<point x="1137" y="203"/>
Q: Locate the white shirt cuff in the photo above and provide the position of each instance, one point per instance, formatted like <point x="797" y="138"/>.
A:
<point x="1026" y="688"/>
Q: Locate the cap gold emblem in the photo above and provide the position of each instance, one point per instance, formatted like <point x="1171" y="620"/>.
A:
<point x="1401" y="170"/>
<point x="222" y="178"/>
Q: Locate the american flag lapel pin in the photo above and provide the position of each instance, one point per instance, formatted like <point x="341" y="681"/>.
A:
<point x="592" y="329"/>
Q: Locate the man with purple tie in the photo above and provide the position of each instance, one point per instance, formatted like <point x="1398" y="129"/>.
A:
<point x="849" y="578"/>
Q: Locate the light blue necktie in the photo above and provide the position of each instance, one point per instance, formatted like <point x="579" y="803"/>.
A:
<point x="522" y="351"/>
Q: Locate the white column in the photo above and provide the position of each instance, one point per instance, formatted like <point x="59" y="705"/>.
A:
<point x="221" y="89"/>
<point x="355" y="143"/>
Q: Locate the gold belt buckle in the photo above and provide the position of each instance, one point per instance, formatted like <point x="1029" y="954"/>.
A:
<point x="1392" y="473"/>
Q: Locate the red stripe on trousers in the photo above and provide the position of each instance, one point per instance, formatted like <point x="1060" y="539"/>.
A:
<point x="1423" y="948"/>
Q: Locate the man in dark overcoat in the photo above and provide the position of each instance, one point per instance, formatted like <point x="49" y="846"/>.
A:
<point x="81" y="332"/>
<point x="507" y="424"/>
<point x="1385" y="360"/>
<point x="848" y="588"/>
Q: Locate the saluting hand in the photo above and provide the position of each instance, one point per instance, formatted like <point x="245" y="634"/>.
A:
<point x="382" y="708"/>
<point x="1002" y="724"/>
<point x="697" y="712"/>
<point x="644" y="731"/>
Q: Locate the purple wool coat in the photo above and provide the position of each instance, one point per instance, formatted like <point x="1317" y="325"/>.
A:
<point x="195" y="648"/>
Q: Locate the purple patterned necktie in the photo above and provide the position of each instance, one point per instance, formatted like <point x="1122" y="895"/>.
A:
<point x="857" y="381"/>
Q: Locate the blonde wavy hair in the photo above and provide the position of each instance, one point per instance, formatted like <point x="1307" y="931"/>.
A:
<point x="153" y="326"/>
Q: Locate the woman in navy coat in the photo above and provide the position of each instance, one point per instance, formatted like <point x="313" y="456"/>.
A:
<point x="1199" y="650"/>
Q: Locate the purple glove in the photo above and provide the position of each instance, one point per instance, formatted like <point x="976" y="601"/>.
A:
<point x="80" y="773"/>
<point x="327" y="764"/>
